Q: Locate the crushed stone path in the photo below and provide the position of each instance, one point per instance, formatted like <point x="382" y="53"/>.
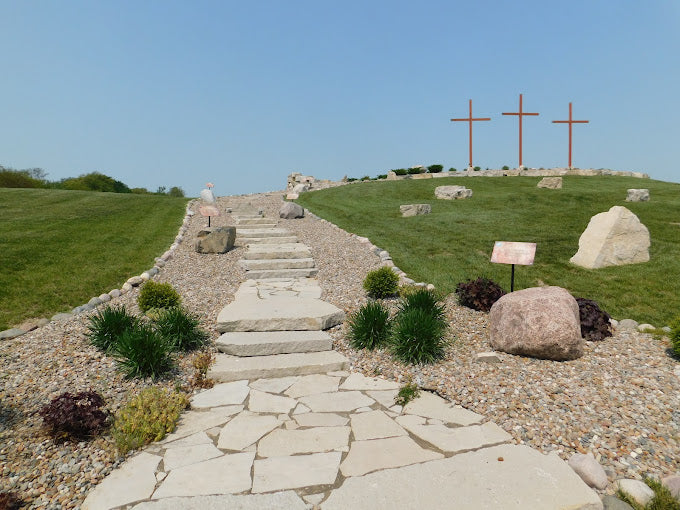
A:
<point x="326" y="439"/>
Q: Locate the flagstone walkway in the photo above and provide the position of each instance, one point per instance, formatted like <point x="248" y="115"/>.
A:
<point x="285" y="430"/>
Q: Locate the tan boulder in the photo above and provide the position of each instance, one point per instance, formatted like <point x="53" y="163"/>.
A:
<point x="550" y="183"/>
<point x="613" y="238"/>
<point x="452" y="192"/>
<point x="215" y="240"/>
<point x="415" y="209"/>
<point x="541" y="322"/>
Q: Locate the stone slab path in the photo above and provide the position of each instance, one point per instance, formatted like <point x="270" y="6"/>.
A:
<point x="287" y="427"/>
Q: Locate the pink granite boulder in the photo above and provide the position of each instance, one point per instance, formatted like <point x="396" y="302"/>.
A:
<point x="541" y="322"/>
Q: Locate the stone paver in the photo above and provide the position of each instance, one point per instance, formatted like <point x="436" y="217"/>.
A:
<point x="321" y="420"/>
<point x="430" y="405"/>
<point x="284" y="500"/>
<point x="261" y="402"/>
<point x="221" y="395"/>
<point x="259" y="343"/>
<point x="279" y="473"/>
<point x="230" y="368"/>
<point x="137" y="476"/>
<point x="277" y="251"/>
<point x="245" y="429"/>
<point x="209" y="477"/>
<point x="336" y="402"/>
<point x="361" y="382"/>
<point x="186" y="455"/>
<point x="191" y="423"/>
<point x="312" y="385"/>
<point x="375" y="425"/>
<point x="367" y="456"/>
<point x="280" y="442"/>
<point x="276" y="385"/>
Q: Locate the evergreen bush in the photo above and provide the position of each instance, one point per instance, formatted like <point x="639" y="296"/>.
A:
<point x="381" y="283"/>
<point x="157" y="295"/>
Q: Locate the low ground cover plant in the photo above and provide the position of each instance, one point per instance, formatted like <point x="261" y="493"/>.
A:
<point x="75" y="416"/>
<point x="369" y="327"/>
<point x="479" y="294"/>
<point x="108" y="324"/>
<point x="147" y="417"/>
<point x="381" y="283"/>
<point x="407" y="392"/>
<point x="157" y="295"/>
<point x="595" y="325"/>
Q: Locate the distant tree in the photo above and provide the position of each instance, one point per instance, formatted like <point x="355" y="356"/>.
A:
<point x="11" y="178"/>
<point x="160" y="190"/>
<point x="435" y="169"/>
<point x="95" y="181"/>
<point x="176" y="191"/>
<point x="139" y="191"/>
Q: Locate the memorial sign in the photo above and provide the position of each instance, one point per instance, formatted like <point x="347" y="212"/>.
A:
<point x="509" y="252"/>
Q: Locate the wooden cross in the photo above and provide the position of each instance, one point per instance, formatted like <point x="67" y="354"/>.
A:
<point x="470" y="120"/>
<point x="570" y="122"/>
<point x="520" y="114"/>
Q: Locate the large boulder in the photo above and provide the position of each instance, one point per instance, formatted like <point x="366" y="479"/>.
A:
<point x="541" y="322"/>
<point x="550" y="183"/>
<point x="415" y="209"/>
<point x="613" y="238"/>
<point x="215" y="240"/>
<point x="452" y="192"/>
<point x="637" y="195"/>
<point x="207" y="196"/>
<point x="290" y="210"/>
<point x="300" y="188"/>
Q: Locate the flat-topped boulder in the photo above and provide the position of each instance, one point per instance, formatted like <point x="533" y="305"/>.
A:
<point x="215" y="240"/>
<point x="637" y="195"/>
<point x="550" y="183"/>
<point x="408" y="210"/>
<point x="452" y="192"/>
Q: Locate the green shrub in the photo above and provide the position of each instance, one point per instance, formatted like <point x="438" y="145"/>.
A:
<point x="424" y="299"/>
<point x="18" y="179"/>
<point x="407" y="392"/>
<point x="75" y="415"/>
<point x="108" y="325"/>
<point x="476" y="169"/>
<point x="479" y="294"/>
<point x="675" y="337"/>
<point x="365" y="178"/>
<point x="147" y="417"/>
<point x="143" y="352"/>
<point x="157" y="295"/>
<point x="452" y="169"/>
<point x="416" y="170"/>
<point x="351" y="179"/>
<point x="595" y="324"/>
<point x="400" y="171"/>
<point x="418" y="336"/>
<point x="180" y="328"/>
<point x="369" y="327"/>
<point x="381" y="283"/>
<point x="506" y="167"/>
<point x="435" y="169"/>
<point x="382" y="176"/>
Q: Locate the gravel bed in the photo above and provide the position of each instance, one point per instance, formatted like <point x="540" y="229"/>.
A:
<point x="620" y="400"/>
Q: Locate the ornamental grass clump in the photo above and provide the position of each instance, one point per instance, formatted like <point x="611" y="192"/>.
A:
<point x="595" y="325"/>
<point x="369" y="327"/>
<point x="181" y="329"/>
<point x="381" y="283"/>
<point x="76" y="416"/>
<point x="108" y="325"/>
<point x="675" y="337"/>
<point x="143" y="352"/>
<point x="147" y="417"/>
<point x="157" y="295"/>
<point x="418" y="329"/>
<point x="479" y="294"/>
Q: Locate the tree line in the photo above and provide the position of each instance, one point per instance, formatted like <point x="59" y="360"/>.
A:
<point x="93" y="181"/>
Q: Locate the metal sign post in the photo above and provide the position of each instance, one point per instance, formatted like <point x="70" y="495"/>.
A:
<point x="508" y="252"/>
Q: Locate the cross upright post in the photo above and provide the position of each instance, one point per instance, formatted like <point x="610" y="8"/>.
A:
<point x="470" y="120"/>
<point x="520" y="114"/>
<point x="570" y="122"/>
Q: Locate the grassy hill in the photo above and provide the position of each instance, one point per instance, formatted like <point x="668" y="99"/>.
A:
<point x="59" y="248"/>
<point x="454" y="243"/>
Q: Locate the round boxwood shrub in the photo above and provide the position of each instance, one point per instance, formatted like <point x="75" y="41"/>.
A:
<point x="157" y="295"/>
<point x="369" y="327"/>
<point x="479" y="294"/>
<point x="595" y="324"/>
<point x="381" y="283"/>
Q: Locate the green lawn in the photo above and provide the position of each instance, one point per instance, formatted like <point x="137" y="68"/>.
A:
<point x="454" y="243"/>
<point x="60" y="248"/>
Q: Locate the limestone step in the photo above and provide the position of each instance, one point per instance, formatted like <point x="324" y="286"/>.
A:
<point x="278" y="313"/>
<point x="255" y="227"/>
<point x="277" y="251"/>
<point x="258" y="343"/>
<point x="290" y="263"/>
<point x="259" y="274"/>
<point x="259" y="220"/>
<point x="262" y="232"/>
<point x="244" y="241"/>
<point x="232" y="368"/>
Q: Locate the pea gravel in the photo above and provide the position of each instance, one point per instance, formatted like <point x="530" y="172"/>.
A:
<point x="620" y="400"/>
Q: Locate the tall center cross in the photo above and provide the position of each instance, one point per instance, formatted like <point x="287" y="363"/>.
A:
<point x="570" y="122"/>
<point x="470" y="120"/>
<point x="520" y="114"/>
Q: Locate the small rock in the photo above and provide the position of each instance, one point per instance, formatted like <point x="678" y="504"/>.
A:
<point x="127" y="287"/>
<point x="590" y="471"/>
<point x="135" y="281"/>
<point x="488" y="357"/>
<point x="114" y="293"/>
<point x="104" y="298"/>
<point x="43" y="322"/>
<point x="430" y="286"/>
<point x="628" y="324"/>
<point x="666" y="329"/>
<point x="637" y="490"/>
<point x="62" y="316"/>
<point x="645" y="327"/>
<point x="145" y="276"/>
<point x="672" y="483"/>
<point x="11" y="333"/>
<point x="160" y="262"/>
<point x="614" y="503"/>
<point x="613" y="322"/>
<point x="153" y="271"/>
<point x="95" y="301"/>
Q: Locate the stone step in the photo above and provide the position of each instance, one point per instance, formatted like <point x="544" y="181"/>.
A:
<point x="260" y="274"/>
<point x="244" y="241"/>
<point x="262" y="232"/>
<point x="277" y="251"/>
<point x="290" y="263"/>
<point x="254" y="221"/>
<point x="278" y="313"/>
<point x="258" y="343"/>
<point x="232" y="368"/>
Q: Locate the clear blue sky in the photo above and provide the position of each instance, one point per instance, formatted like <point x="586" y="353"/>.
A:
<point x="243" y="93"/>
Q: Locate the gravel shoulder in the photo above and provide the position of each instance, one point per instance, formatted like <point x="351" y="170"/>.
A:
<point x="621" y="400"/>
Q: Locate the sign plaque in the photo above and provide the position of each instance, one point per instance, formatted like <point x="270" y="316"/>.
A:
<point x="509" y="252"/>
<point x="209" y="210"/>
